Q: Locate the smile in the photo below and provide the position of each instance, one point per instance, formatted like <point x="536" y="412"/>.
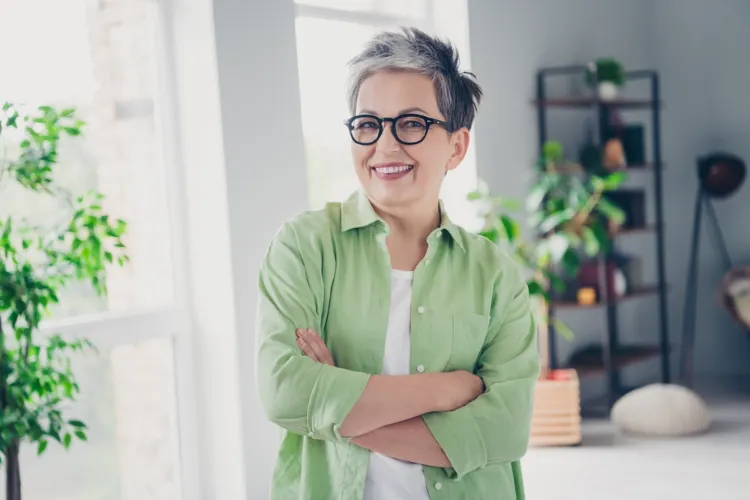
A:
<point x="393" y="169"/>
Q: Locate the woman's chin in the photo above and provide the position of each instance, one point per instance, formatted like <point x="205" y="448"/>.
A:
<point x="392" y="196"/>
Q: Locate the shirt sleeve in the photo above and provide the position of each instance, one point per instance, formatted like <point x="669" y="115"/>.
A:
<point x="297" y="393"/>
<point x="495" y="427"/>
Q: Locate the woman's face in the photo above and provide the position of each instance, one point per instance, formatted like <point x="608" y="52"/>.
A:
<point x="420" y="168"/>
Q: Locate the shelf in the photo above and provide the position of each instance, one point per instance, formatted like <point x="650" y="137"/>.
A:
<point x="646" y="167"/>
<point x="591" y="361"/>
<point x="649" y="166"/>
<point x="589" y="102"/>
<point x="576" y="169"/>
<point x="651" y="228"/>
<point x="567" y="304"/>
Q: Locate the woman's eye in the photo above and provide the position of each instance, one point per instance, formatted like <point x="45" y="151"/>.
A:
<point x="367" y="125"/>
<point x="414" y="124"/>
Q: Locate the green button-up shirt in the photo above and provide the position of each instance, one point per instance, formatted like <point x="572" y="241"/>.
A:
<point x="330" y="270"/>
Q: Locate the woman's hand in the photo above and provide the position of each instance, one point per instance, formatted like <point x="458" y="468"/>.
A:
<point x="313" y="346"/>
<point x="458" y="389"/>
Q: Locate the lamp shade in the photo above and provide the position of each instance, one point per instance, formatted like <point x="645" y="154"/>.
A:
<point x="721" y="174"/>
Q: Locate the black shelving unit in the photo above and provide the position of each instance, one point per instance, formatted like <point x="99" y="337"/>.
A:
<point x="613" y="355"/>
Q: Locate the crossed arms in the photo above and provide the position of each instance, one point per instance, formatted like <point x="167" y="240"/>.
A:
<point x="431" y="419"/>
<point x="387" y="417"/>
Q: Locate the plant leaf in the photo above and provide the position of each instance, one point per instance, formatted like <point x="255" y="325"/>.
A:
<point x="537" y="193"/>
<point x="554" y="220"/>
<point x="558" y="245"/>
<point x="571" y="262"/>
<point x="614" y="180"/>
<point x="591" y="242"/>
<point x="535" y="288"/>
<point x="492" y="234"/>
<point x="511" y="227"/>
<point x="562" y="328"/>
<point x="611" y="211"/>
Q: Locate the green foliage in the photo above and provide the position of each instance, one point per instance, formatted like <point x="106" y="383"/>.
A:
<point x="566" y="215"/>
<point x="607" y="70"/>
<point x="36" y="379"/>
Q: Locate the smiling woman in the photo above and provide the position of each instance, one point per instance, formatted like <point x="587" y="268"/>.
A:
<point x="412" y="141"/>
<point x="329" y="33"/>
<point x="393" y="345"/>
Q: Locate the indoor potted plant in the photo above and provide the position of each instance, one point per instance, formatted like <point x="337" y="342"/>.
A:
<point x="609" y="75"/>
<point x="36" y="263"/>
<point x="568" y="217"/>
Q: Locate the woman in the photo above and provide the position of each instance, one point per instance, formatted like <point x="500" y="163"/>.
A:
<point x="395" y="348"/>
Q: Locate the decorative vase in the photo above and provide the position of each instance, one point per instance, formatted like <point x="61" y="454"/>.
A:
<point x="607" y="91"/>
<point x="556" y="420"/>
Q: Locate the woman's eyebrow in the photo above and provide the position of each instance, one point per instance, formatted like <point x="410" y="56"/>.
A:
<point x="402" y="112"/>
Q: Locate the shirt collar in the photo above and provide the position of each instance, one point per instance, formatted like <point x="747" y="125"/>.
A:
<point x="357" y="212"/>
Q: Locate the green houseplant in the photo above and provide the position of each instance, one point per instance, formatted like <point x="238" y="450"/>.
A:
<point x="568" y="218"/>
<point x="610" y="76"/>
<point x="36" y="264"/>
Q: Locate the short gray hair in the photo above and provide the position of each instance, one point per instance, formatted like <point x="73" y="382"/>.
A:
<point x="458" y="93"/>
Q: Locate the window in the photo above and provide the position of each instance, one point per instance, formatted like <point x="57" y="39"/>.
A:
<point x="99" y="57"/>
<point x="329" y="33"/>
<point x="103" y="57"/>
<point x="324" y="107"/>
<point x="128" y="401"/>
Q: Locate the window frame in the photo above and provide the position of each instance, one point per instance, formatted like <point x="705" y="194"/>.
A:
<point x="366" y="17"/>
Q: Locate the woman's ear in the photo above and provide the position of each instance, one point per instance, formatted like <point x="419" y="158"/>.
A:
<point x="460" y="143"/>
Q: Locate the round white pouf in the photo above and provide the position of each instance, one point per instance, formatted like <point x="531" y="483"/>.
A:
<point x="661" y="410"/>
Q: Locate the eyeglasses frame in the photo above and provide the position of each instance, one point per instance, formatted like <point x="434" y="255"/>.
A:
<point x="428" y="123"/>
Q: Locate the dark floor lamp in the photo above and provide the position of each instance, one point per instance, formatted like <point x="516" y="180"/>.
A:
<point x="719" y="176"/>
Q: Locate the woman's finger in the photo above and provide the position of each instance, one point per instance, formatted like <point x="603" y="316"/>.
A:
<point x="307" y="350"/>
<point x="321" y="349"/>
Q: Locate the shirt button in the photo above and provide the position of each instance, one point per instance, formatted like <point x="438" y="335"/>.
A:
<point x="420" y="309"/>
<point x="427" y="262"/>
<point x="438" y="486"/>
<point x="420" y="368"/>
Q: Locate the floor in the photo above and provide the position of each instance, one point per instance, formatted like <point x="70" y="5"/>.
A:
<point x="609" y="466"/>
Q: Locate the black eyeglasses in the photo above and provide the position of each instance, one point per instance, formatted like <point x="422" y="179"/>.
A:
<point x="408" y="129"/>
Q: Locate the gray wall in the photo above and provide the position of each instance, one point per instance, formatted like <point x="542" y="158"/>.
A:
<point x="703" y="111"/>
<point x="705" y="80"/>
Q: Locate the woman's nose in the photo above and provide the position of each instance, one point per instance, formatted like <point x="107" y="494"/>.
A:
<point x="387" y="141"/>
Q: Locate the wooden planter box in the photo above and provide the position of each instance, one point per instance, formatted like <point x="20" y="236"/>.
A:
<point x="556" y="420"/>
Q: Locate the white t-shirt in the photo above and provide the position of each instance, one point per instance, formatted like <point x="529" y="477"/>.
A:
<point x="387" y="478"/>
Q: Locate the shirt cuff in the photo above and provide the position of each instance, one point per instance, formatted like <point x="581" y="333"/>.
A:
<point x="334" y="394"/>
<point x="459" y="436"/>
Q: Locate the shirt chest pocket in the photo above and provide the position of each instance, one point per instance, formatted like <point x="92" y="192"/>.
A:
<point x="453" y="340"/>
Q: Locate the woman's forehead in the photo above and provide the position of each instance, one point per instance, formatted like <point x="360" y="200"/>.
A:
<point x="390" y="93"/>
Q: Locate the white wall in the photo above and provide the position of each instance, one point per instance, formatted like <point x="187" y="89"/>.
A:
<point x="703" y="85"/>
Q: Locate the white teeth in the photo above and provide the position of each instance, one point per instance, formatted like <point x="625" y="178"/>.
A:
<point x="393" y="170"/>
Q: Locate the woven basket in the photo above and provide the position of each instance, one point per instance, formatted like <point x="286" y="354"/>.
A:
<point x="725" y="297"/>
<point x="556" y="420"/>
